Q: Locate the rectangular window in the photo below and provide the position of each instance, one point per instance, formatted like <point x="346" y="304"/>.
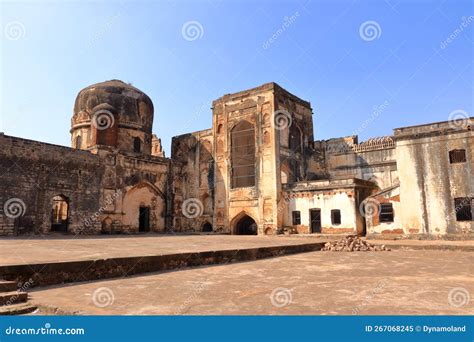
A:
<point x="296" y="218"/>
<point x="386" y="212"/>
<point x="457" y="156"/>
<point x="336" y="216"/>
<point x="463" y="207"/>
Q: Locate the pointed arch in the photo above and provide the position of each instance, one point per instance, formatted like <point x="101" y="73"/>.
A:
<point x="295" y="138"/>
<point x="244" y="224"/>
<point x="144" y="207"/>
<point x="144" y="184"/>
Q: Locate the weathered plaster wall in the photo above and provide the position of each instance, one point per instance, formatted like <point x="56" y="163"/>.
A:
<point x="428" y="182"/>
<point x="345" y="195"/>
<point x="374" y="160"/>
<point x="373" y="207"/>
<point x="326" y="201"/>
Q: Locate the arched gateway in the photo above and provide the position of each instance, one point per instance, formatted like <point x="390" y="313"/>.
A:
<point x="245" y="226"/>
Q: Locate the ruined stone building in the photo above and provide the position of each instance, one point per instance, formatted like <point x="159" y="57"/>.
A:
<point x="257" y="170"/>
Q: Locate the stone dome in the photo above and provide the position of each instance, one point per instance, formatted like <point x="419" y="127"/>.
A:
<point x="112" y="113"/>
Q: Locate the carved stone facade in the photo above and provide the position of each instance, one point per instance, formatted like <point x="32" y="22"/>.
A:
<point x="258" y="170"/>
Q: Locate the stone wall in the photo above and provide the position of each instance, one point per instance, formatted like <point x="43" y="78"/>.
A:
<point x="103" y="189"/>
<point x="33" y="173"/>
<point x="132" y="181"/>
<point x="193" y="181"/>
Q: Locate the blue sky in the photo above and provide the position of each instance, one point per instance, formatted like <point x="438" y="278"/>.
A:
<point x="407" y="71"/>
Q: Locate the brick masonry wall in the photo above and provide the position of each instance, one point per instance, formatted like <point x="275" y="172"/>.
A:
<point x="32" y="173"/>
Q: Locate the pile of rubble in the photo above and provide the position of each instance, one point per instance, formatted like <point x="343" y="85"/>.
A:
<point x="352" y="243"/>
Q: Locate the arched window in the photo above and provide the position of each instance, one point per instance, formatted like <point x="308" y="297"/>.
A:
<point x="295" y="139"/>
<point x="243" y="155"/>
<point x="137" y="145"/>
<point x="78" y="141"/>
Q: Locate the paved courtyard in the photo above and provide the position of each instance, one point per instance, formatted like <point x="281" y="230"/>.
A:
<point x="14" y="251"/>
<point x="51" y="248"/>
<point x="419" y="282"/>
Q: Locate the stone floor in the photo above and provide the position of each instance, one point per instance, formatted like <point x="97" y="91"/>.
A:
<point x="398" y="282"/>
<point x="52" y="248"/>
<point x="24" y="250"/>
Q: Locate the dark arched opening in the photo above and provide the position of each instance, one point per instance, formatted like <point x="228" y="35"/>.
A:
<point x="59" y="214"/>
<point x="246" y="226"/>
<point x="78" y="141"/>
<point x="207" y="227"/>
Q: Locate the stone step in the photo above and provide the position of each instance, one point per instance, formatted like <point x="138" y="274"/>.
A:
<point x="8" y="286"/>
<point x="9" y="298"/>
<point x="17" y="309"/>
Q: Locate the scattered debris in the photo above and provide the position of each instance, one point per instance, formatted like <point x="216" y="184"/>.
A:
<point x="352" y="243"/>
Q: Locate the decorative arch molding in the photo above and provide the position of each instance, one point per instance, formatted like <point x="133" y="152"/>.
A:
<point x="144" y="184"/>
<point x="143" y="207"/>
<point x="232" y="124"/>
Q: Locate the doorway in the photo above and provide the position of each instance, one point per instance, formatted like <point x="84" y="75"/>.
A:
<point x="315" y="217"/>
<point x="144" y="219"/>
<point x="207" y="227"/>
<point x="246" y="226"/>
<point x="59" y="214"/>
